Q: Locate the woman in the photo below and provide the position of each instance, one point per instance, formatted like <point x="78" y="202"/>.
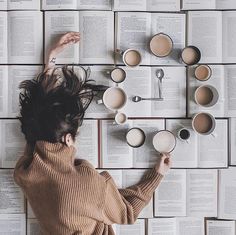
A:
<point x="69" y="196"/>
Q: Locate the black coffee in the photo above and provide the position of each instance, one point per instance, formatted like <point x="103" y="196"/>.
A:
<point x="184" y="134"/>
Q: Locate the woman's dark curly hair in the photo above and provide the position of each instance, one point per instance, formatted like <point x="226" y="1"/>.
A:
<point x="53" y="104"/>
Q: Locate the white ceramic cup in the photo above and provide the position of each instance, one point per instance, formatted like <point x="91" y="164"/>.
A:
<point x="135" y="137"/>
<point x="184" y="134"/>
<point x="202" y="72"/>
<point x="117" y="74"/>
<point x="120" y="118"/>
<point x="128" y="54"/>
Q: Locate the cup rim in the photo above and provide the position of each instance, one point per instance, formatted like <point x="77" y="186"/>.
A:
<point x="172" y="44"/>
<point x="198" y="52"/>
<point x="209" y="74"/>
<point x="122" y="70"/>
<point x="165" y="131"/>
<point x="125" y="52"/>
<point x="120" y="123"/>
<point x="213" y="123"/>
<point x="142" y="143"/>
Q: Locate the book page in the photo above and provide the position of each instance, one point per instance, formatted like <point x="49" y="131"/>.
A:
<point x="57" y="23"/>
<point x="185" y="153"/>
<point x="217" y="80"/>
<point x="87" y="142"/>
<point x="173" y="92"/>
<point x="16" y="75"/>
<point x="94" y="4"/>
<point x="23" y="5"/>
<point x="190" y="225"/>
<point x="33" y="227"/>
<point x="221" y="227"/>
<point x="132" y="177"/>
<point x="132" y="30"/>
<point x="138" y="228"/>
<point x="3" y="5"/>
<point x="213" y="149"/>
<point x="12" y="142"/>
<point x="97" y="37"/>
<point x="146" y="156"/>
<point x="25" y="37"/>
<point x="225" y="4"/>
<point x="131" y="5"/>
<point x="232" y="135"/>
<point x="170" y="196"/>
<point x="13" y="224"/>
<point x="198" y="4"/>
<point x="227" y="193"/>
<point x="10" y="193"/>
<point x="3" y="90"/>
<point x="59" y="4"/>
<point x="30" y="213"/>
<point x="207" y="37"/>
<point x="137" y="83"/>
<point x="162" y="226"/>
<point x="202" y="192"/>
<point x="3" y="38"/>
<point x="229" y="33"/>
<point x="115" y="152"/>
<point x="172" y="24"/>
<point x="163" y="5"/>
<point x="230" y="86"/>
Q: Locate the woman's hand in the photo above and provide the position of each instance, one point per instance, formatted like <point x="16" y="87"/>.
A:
<point x="164" y="163"/>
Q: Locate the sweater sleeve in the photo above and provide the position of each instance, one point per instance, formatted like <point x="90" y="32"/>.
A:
<point x="122" y="206"/>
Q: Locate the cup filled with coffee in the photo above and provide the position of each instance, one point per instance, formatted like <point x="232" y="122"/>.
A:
<point x="120" y="118"/>
<point x="130" y="57"/>
<point x="135" y="137"/>
<point x="164" y="141"/>
<point x="161" y="45"/>
<point x="190" y="55"/>
<point x="183" y="134"/>
<point x="206" y="96"/>
<point x="204" y="123"/>
<point x="202" y="72"/>
<point x="114" y="98"/>
<point x="117" y="75"/>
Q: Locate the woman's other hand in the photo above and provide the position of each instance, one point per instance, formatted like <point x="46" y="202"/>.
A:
<point x="164" y="163"/>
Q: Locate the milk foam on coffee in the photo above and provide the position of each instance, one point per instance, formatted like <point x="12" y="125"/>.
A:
<point x="204" y="96"/>
<point x="118" y="75"/>
<point x="135" y="137"/>
<point x="203" y="123"/>
<point x="202" y="72"/>
<point x="121" y="118"/>
<point x="161" y="45"/>
<point x="189" y="55"/>
<point x="114" y="98"/>
<point x="164" y="141"/>
<point x="132" y="58"/>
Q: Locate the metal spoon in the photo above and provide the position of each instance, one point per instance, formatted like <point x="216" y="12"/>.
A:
<point x="138" y="98"/>
<point x="160" y="75"/>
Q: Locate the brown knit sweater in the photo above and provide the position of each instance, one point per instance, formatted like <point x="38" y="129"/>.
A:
<point x="69" y="196"/>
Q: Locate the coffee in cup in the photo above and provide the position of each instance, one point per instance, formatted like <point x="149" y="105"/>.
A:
<point x="114" y="98"/>
<point x="161" y="45"/>
<point x="204" y="123"/>
<point x="120" y="118"/>
<point x="202" y="72"/>
<point x="206" y="96"/>
<point x="135" y="137"/>
<point x="130" y="57"/>
<point x="117" y="75"/>
<point x="183" y="134"/>
<point x="190" y="55"/>
<point x="164" y="141"/>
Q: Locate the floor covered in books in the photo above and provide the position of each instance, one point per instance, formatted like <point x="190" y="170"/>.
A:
<point x="198" y="195"/>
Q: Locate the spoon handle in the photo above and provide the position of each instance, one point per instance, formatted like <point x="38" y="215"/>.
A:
<point x="160" y="88"/>
<point x="160" y="99"/>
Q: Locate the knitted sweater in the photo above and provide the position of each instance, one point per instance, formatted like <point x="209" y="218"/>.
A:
<point x="68" y="195"/>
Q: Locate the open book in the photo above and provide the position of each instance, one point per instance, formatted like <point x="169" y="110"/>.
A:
<point x="135" y="29"/>
<point x="221" y="227"/>
<point x="187" y="193"/>
<point x="224" y="80"/>
<point x="76" y="4"/>
<point x="212" y="32"/>
<point x="10" y="193"/>
<point x="147" y="5"/>
<point x="19" y="5"/>
<point x="227" y="193"/>
<point x="97" y="36"/>
<point x="200" y="151"/>
<point x="176" y="226"/>
<point x="10" y="78"/>
<point x="232" y="141"/>
<point x="209" y="4"/>
<point x="138" y="228"/>
<point x="21" y="39"/>
<point x="13" y="224"/>
<point x="116" y="153"/>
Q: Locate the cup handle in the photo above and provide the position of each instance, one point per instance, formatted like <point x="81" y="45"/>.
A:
<point x="108" y="72"/>
<point x="119" y="51"/>
<point x="214" y="134"/>
<point x="100" y="101"/>
<point x="188" y="141"/>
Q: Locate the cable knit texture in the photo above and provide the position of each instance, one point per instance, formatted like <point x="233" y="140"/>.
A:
<point x="68" y="196"/>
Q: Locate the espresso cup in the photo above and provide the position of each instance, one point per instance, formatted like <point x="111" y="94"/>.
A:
<point x="130" y="57"/>
<point x="204" y="124"/>
<point x="190" y="55"/>
<point x="120" y="118"/>
<point x="202" y="72"/>
<point x="161" y="45"/>
<point x="117" y="75"/>
<point x="206" y="96"/>
<point x="135" y="137"/>
<point x="184" y="134"/>
<point x="114" y="98"/>
<point x="164" y="141"/>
